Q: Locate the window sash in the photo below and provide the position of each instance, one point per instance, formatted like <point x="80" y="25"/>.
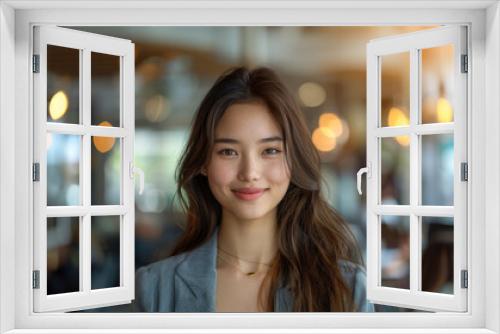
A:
<point x="85" y="297"/>
<point x="413" y="297"/>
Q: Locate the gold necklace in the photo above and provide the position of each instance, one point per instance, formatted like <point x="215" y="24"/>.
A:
<point x="239" y="258"/>
<point x="237" y="266"/>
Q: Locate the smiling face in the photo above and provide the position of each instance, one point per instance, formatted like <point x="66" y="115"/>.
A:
<point x="247" y="172"/>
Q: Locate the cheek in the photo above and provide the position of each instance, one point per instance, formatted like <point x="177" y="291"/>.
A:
<point x="219" y="173"/>
<point x="278" y="173"/>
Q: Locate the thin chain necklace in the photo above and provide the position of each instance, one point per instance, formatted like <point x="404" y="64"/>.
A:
<point x="237" y="266"/>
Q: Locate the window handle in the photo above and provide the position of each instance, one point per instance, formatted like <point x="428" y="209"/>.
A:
<point x="360" y="174"/>
<point x="136" y="170"/>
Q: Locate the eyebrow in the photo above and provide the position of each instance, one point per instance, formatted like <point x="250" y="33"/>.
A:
<point x="234" y="141"/>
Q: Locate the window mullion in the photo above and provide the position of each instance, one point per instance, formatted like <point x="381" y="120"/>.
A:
<point x="415" y="236"/>
<point x="85" y="242"/>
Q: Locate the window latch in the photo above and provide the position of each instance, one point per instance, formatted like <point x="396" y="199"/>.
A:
<point x="136" y="170"/>
<point x="360" y="173"/>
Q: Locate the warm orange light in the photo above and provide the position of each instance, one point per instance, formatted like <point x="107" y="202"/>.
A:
<point x="327" y="132"/>
<point x="444" y="110"/>
<point x="103" y="144"/>
<point x="397" y="117"/>
<point x="332" y="122"/>
<point x="323" y="139"/>
<point x="403" y="140"/>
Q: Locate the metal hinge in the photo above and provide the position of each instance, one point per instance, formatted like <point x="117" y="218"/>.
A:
<point x="36" y="279"/>
<point x="36" y="171"/>
<point x="464" y="171"/>
<point x="36" y="63"/>
<point x="465" y="64"/>
<point x="465" y="279"/>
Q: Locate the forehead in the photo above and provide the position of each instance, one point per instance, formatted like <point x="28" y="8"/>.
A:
<point x="251" y="120"/>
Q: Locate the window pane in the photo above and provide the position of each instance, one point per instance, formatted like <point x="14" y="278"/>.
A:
<point x="437" y="169"/>
<point x="63" y="255"/>
<point x="395" y="252"/>
<point x="105" y="252"/>
<point x="437" y="84"/>
<point x="437" y="254"/>
<point x="395" y="89"/>
<point x="106" y="171"/>
<point x="395" y="169"/>
<point x="63" y="84"/>
<point x="63" y="169"/>
<point x="105" y="89"/>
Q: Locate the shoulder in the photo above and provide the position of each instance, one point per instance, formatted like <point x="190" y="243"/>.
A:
<point x="355" y="277"/>
<point x="165" y="267"/>
<point x="154" y="280"/>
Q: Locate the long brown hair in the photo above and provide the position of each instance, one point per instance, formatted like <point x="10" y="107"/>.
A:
<point x="312" y="237"/>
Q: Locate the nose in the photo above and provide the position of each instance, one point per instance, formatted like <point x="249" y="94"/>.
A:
<point x="249" y="169"/>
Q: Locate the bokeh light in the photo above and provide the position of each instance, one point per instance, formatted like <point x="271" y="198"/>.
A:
<point x="58" y="105"/>
<point x="312" y="94"/>
<point x="397" y="117"/>
<point x="333" y="122"/>
<point x="156" y="108"/>
<point x="324" y="139"/>
<point x="103" y="144"/>
<point x="444" y="111"/>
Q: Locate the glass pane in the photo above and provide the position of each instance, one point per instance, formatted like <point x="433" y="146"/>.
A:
<point x="105" y="234"/>
<point x="437" y="84"/>
<point x="63" y="255"/>
<point x="63" y="84"/>
<point x="437" y="169"/>
<point x="63" y="169"/>
<point x="437" y="254"/>
<point x="395" y="252"/>
<point x="395" y="89"/>
<point x="395" y="169"/>
<point x="105" y="89"/>
<point x="106" y="171"/>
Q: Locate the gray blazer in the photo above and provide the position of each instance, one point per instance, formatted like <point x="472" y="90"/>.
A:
<point x="187" y="283"/>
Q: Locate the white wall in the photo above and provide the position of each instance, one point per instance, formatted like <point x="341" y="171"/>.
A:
<point x="6" y="165"/>
<point x="492" y="127"/>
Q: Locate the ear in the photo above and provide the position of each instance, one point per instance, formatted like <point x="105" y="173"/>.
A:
<point x="204" y="171"/>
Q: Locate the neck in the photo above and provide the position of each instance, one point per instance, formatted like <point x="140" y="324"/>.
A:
<point x="250" y="240"/>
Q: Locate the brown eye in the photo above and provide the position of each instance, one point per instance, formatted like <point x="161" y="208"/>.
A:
<point x="272" y="151"/>
<point x="227" y="152"/>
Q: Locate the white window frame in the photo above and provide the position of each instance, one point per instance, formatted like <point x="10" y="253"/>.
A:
<point x="85" y="43"/>
<point x="413" y="44"/>
<point x="16" y="20"/>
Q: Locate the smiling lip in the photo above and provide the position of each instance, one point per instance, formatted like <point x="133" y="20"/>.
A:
<point x="248" y="194"/>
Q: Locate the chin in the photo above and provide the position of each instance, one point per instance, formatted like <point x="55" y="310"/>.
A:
<point x="249" y="215"/>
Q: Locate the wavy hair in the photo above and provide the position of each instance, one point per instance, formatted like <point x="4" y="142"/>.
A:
<point x="312" y="237"/>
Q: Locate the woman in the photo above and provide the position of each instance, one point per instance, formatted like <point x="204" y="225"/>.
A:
<point x="259" y="235"/>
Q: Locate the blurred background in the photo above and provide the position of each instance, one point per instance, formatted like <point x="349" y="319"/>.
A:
<point x="324" y="68"/>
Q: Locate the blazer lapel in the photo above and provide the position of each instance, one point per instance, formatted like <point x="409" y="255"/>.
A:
<point x="195" y="279"/>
